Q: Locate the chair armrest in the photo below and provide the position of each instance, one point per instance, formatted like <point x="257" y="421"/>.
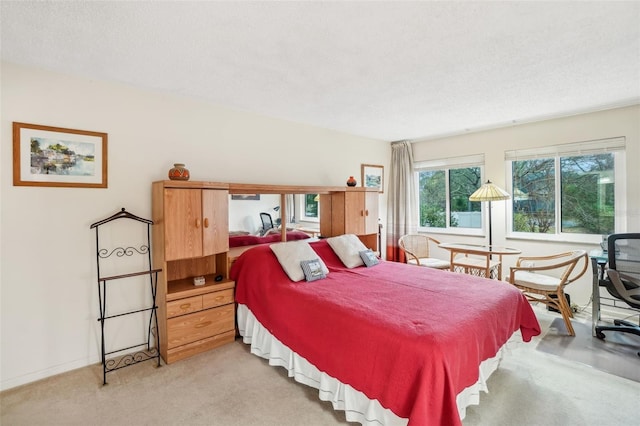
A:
<point x="546" y="258"/>
<point x="533" y="268"/>
<point x="540" y="268"/>
<point x="433" y="240"/>
<point x="408" y="255"/>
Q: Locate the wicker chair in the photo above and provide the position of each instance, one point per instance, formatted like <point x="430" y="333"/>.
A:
<point x="416" y="249"/>
<point x="543" y="279"/>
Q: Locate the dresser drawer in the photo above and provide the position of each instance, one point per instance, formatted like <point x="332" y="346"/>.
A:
<point x="218" y="298"/>
<point x="199" y="325"/>
<point x="190" y="349"/>
<point x="184" y="306"/>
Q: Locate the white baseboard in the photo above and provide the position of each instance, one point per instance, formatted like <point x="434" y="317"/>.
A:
<point x="47" y="372"/>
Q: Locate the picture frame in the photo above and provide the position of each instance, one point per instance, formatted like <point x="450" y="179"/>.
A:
<point x="245" y="197"/>
<point x="59" y="157"/>
<point x="372" y="176"/>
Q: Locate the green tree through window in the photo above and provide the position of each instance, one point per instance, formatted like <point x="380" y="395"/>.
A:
<point x="585" y="204"/>
<point x="442" y="205"/>
<point x="310" y="205"/>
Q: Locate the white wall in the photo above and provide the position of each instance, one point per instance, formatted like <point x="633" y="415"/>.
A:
<point x="493" y="143"/>
<point x="48" y="291"/>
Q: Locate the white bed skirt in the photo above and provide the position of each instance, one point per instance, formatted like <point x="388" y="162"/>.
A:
<point x="355" y="404"/>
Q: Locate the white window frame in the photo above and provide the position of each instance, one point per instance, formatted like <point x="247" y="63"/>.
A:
<point x="616" y="146"/>
<point x="447" y="164"/>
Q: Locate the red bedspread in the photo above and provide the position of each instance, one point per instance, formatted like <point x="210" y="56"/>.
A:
<point x="410" y="337"/>
<point x="250" y="240"/>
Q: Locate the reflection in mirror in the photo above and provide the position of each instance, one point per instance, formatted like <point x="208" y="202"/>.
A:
<point x="308" y="206"/>
<point x="311" y="204"/>
<point x="244" y="214"/>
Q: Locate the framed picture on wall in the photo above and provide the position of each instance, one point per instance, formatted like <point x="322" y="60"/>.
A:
<point x="372" y="176"/>
<point x="245" y="197"/>
<point x="55" y="156"/>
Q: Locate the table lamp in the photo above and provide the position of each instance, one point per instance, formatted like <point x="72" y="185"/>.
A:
<point x="489" y="192"/>
<point x="278" y="220"/>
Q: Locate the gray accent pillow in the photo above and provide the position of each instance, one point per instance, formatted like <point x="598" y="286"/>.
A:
<point x="369" y="258"/>
<point x="312" y="270"/>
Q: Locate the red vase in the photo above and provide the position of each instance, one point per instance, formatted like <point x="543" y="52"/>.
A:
<point x="351" y="181"/>
<point x="178" y="172"/>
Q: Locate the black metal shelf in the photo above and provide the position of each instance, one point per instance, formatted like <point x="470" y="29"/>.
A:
<point x="152" y="344"/>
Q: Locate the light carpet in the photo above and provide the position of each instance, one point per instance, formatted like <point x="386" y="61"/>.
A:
<point x="616" y="354"/>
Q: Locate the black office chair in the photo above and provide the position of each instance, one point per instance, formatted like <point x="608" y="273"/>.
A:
<point x="267" y="223"/>
<point x="623" y="279"/>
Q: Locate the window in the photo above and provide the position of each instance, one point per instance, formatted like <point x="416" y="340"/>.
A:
<point x="444" y="187"/>
<point x="567" y="189"/>
<point x="309" y="206"/>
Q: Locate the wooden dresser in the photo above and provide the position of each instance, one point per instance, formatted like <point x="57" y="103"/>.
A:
<point x="190" y="239"/>
<point x="199" y="319"/>
<point x="351" y="211"/>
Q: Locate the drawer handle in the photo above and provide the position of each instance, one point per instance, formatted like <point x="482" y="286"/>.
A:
<point x="185" y="305"/>
<point x="197" y="223"/>
<point x="203" y="324"/>
<point x="206" y="222"/>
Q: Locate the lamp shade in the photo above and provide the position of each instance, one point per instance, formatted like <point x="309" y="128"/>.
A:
<point x="489" y="192"/>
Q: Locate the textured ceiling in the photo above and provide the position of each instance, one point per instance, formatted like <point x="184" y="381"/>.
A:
<point x="386" y="70"/>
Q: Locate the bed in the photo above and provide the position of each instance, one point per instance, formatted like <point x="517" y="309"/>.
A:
<point x="240" y="239"/>
<point x="389" y="344"/>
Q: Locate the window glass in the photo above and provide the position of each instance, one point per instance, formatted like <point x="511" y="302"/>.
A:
<point x="587" y="188"/>
<point x="444" y="198"/>
<point x="311" y="205"/>
<point x="462" y="183"/>
<point x="534" y="195"/>
<point x="433" y="198"/>
<point x="564" y="194"/>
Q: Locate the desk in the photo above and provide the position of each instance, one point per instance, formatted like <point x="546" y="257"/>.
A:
<point x="601" y="258"/>
<point x="598" y="266"/>
<point x="486" y="267"/>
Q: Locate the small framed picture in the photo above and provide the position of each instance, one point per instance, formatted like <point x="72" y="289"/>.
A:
<point x="372" y="176"/>
<point x="245" y="197"/>
<point x="54" y="156"/>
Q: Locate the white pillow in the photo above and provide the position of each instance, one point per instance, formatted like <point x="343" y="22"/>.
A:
<point x="348" y="248"/>
<point x="291" y="253"/>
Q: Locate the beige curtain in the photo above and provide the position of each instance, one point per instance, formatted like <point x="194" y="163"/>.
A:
<point x="401" y="202"/>
<point x="291" y="208"/>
